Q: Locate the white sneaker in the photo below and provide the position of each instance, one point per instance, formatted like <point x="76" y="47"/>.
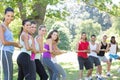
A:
<point x="108" y="74"/>
<point x="90" y="78"/>
<point x="119" y="70"/>
<point x="86" y="78"/>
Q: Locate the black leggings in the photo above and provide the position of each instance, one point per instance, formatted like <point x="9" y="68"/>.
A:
<point x="26" y="67"/>
<point x="40" y="70"/>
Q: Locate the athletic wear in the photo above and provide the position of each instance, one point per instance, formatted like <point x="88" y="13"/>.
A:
<point x="93" y="55"/>
<point x="113" y="52"/>
<point x="6" y="52"/>
<point x="7" y="65"/>
<point x="37" y="56"/>
<point x="102" y="53"/>
<point x="93" y="47"/>
<point x="46" y="54"/>
<point x="83" y="46"/>
<point x="26" y="67"/>
<point x="49" y="64"/>
<point x="40" y="70"/>
<point x="53" y="72"/>
<point x="113" y="48"/>
<point x="94" y="60"/>
<point x="103" y="58"/>
<point x="23" y="49"/>
<point x="8" y="36"/>
<point x="61" y="71"/>
<point x="84" y="62"/>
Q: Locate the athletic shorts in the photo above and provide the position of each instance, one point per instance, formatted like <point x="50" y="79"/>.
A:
<point x="94" y="60"/>
<point x="113" y="56"/>
<point x="103" y="58"/>
<point x="84" y="62"/>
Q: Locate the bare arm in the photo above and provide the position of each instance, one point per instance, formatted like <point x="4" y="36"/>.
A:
<point x="40" y="42"/>
<point x="117" y="48"/>
<point x="88" y="50"/>
<point x="97" y="48"/>
<point x="107" y="49"/>
<point x="4" y="42"/>
<point x="25" y="39"/>
<point x="49" y="42"/>
<point x="57" y="51"/>
<point x="33" y="46"/>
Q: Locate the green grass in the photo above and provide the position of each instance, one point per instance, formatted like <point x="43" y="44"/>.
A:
<point x="72" y="71"/>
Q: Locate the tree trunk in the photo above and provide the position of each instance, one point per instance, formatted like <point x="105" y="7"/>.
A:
<point x="39" y="9"/>
<point x="21" y="10"/>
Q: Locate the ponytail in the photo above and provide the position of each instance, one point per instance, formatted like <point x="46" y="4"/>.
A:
<point x="20" y="31"/>
<point x="3" y="19"/>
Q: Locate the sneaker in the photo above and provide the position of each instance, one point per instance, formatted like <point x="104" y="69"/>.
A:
<point x="86" y="78"/>
<point x="100" y="79"/>
<point x="90" y="78"/>
<point x="119" y="70"/>
<point x="96" y="76"/>
<point x="108" y="74"/>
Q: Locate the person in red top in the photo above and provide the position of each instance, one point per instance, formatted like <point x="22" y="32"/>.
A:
<point x="83" y="50"/>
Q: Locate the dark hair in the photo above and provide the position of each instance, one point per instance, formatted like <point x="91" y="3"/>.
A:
<point x="23" y="23"/>
<point x="8" y="9"/>
<point x="93" y="35"/>
<point x="49" y="35"/>
<point x="33" y="22"/>
<point x="113" y="37"/>
<point x="82" y="34"/>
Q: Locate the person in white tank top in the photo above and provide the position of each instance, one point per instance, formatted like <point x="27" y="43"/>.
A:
<point x="25" y="64"/>
<point x="113" y="51"/>
<point x="94" y="49"/>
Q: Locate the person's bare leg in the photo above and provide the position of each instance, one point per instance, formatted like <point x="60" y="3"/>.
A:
<point x="108" y="66"/>
<point x="89" y="72"/>
<point x="99" y="69"/>
<point x="80" y="74"/>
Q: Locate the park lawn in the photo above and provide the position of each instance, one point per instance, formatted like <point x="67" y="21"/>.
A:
<point x="72" y="71"/>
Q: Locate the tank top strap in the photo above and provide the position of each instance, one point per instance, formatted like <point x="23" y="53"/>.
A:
<point x="4" y="26"/>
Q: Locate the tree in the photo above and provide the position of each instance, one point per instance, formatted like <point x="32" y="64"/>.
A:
<point x="108" y="6"/>
<point x="87" y="26"/>
<point x="32" y="9"/>
<point x="64" y="42"/>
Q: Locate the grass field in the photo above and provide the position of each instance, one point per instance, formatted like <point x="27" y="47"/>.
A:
<point x="69" y="63"/>
<point x="72" y="71"/>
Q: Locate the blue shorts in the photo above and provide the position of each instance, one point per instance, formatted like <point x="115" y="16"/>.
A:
<point x="113" y="56"/>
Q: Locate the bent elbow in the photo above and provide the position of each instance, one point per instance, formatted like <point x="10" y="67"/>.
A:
<point x="3" y="42"/>
<point x="27" y="48"/>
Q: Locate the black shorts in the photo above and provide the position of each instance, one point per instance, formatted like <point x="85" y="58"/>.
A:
<point x="84" y="62"/>
<point x="94" y="60"/>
